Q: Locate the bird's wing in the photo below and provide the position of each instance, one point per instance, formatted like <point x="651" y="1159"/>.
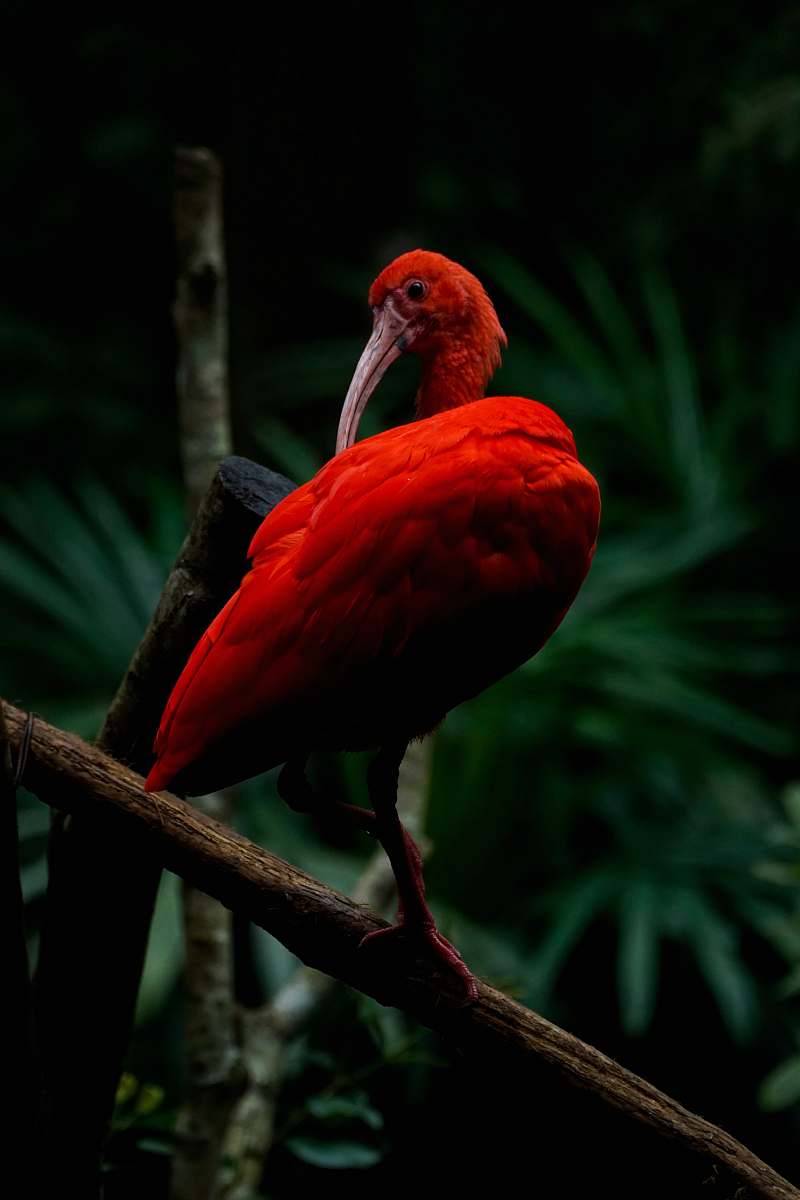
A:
<point x="216" y="663"/>
<point x="400" y="533"/>
<point x="411" y="536"/>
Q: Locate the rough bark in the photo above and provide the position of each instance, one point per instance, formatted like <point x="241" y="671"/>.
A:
<point x="215" y="1067"/>
<point x="200" y="313"/>
<point x="102" y="884"/>
<point x="325" y="929"/>
<point x="213" y="1057"/>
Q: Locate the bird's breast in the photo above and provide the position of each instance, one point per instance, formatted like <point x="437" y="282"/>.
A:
<point x="457" y="572"/>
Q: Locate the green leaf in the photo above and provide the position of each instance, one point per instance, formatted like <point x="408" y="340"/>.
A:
<point x="791" y="803"/>
<point x="790" y="986"/>
<point x="386" y="1025"/>
<point x="164" y="957"/>
<point x="52" y="527"/>
<point x="610" y="314"/>
<point x="151" y="1145"/>
<point x="651" y="556"/>
<point x="293" y="454"/>
<point x="346" y="1107"/>
<point x="666" y="694"/>
<point x="551" y="315"/>
<point x="31" y="583"/>
<point x="33" y="878"/>
<point x="126" y="1088"/>
<point x="306" y="372"/>
<point x="713" y="941"/>
<point x="637" y="963"/>
<point x="89" y="578"/>
<point x="150" y="1097"/>
<point x="578" y="906"/>
<point x="692" y="469"/>
<point x="341" y="1156"/>
<point x="775" y="924"/>
<point x="140" y="572"/>
<point x="33" y="822"/>
<point x="782" y="1086"/>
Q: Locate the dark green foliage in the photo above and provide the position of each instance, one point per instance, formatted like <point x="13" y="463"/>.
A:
<point x="80" y="579"/>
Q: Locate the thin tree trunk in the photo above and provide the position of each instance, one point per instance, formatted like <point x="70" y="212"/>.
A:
<point x="213" y="1055"/>
<point x="201" y="321"/>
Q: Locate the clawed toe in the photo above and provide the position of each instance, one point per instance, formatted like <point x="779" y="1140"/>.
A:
<point x="433" y="942"/>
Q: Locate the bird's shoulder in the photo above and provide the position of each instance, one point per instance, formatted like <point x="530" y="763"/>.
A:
<point x="483" y="437"/>
<point x="500" y="451"/>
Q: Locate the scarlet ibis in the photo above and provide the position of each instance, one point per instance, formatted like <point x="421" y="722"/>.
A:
<point x="414" y="570"/>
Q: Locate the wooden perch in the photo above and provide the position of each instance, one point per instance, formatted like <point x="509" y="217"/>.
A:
<point x="101" y="891"/>
<point x="325" y="928"/>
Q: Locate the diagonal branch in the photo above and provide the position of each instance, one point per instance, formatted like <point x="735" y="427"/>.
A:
<point x="325" y="929"/>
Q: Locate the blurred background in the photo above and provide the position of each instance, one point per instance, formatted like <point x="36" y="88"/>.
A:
<point x="616" y="827"/>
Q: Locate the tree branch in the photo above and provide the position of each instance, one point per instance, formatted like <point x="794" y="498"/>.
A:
<point x="325" y="929"/>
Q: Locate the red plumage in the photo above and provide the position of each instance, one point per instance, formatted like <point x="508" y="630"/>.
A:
<point x="412" y="571"/>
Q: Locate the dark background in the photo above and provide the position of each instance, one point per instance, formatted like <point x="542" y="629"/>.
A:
<point x="617" y="826"/>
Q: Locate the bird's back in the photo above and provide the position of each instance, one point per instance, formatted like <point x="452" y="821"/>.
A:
<point x="413" y="570"/>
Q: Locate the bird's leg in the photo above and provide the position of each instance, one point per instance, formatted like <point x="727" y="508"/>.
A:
<point x="414" y="917"/>
<point x="296" y="791"/>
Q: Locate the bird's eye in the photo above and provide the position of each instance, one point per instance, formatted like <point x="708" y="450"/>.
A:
<point x="416" y="289"/>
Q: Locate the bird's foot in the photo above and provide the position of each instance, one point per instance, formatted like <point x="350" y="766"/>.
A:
<point x="435" y="944"/>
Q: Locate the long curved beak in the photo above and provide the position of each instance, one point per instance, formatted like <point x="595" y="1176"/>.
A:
<point x="384" y="346"/>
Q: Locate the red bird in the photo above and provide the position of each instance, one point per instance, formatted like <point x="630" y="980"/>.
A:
<point x="415" y="569"/>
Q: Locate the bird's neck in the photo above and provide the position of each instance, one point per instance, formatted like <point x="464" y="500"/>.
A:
<point x="452" y="377"/>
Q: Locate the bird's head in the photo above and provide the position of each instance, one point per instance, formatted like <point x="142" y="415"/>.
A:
<point x="425" y="304"/>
